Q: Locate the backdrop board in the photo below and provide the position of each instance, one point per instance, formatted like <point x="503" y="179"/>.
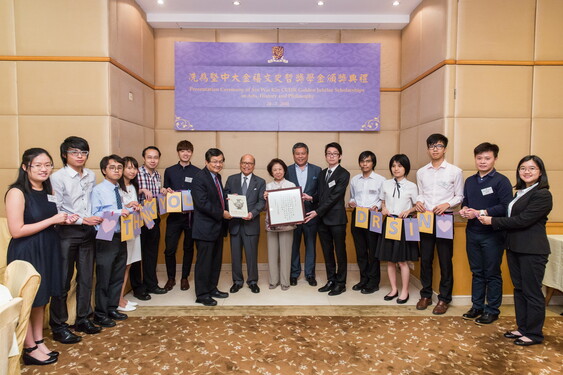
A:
<point x="277" y="87"/>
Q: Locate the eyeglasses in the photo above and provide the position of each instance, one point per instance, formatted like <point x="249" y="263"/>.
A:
<point x="78" y="152"/>
<point x="436" y="147"/>
<point x="528" y="169"/>
<point x="246" y="163"/>
<point x="332" y="154"/>
<point x="115" y="167"/>
<point x="216" y="162"/>
<point x="48" y="166"/>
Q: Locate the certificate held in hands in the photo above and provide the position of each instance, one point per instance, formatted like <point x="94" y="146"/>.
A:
<point x="237" y="205"/>
<point x="285" y="206"/>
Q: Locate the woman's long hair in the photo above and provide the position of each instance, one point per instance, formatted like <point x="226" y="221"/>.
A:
<point x="135" y="181"/>
<point x="22" y="182"/>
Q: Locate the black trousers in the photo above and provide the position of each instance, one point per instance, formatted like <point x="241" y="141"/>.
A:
<point x="526" y="272"/>
<point x="208" y="266"/>
<point x="333" y="242"/>
<point x="111" y="259"/>
<point x="445" y="250"/>
<point x="365" y="242"/>
<point x="78" y="247"/>
<point x="144" y="281"/>
<point x="176" y="224"/>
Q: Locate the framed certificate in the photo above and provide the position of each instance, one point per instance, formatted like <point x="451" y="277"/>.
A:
<point x="285" y="206"/>
<point x="237" y="205"/>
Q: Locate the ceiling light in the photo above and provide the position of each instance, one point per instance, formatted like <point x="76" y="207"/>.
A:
<point x="236" y="2"/>
<point x="160" y="2"/>
<point x="320" y="3"/>
<point x="396" y="3"/>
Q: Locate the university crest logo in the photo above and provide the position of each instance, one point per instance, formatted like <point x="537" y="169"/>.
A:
<point x="277" y="55"/>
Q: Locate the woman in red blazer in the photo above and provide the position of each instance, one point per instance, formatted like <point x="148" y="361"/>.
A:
<point x="527" y="247"/>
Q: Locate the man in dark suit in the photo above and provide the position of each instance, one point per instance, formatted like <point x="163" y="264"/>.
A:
<point x="331" y="210"/>
<point x="246" y="231"/>
<point x="303" y="174"/>
<point x="209" y="227"/>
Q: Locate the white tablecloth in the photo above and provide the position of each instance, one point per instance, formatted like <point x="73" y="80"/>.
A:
<point x="554" y="269"/>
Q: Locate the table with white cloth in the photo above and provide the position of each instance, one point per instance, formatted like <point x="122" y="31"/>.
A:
<point x="12" y="342"/>
<point x="553" y="278"/>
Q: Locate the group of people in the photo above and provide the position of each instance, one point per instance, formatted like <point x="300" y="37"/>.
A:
<point x="53" y="220"/>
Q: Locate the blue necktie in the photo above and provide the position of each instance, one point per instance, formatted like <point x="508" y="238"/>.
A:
<point x="118" y="198"/>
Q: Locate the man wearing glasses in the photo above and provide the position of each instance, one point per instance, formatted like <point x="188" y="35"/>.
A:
<point x="331" y="211"/>
<point x="440" y="188"/>
<point x="209" y="227"/>
<point x="73" y="186"/>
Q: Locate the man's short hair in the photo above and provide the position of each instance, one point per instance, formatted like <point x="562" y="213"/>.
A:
<point x="184" y="145"/>
<point x="213" y="152"/>
<point x="105" y="161"/>
<point x="334" y="145"/>
<point x="435" y="138"/>
<point x="368" y="154"/>
<point x="486" y="147"/>
<point x="73" y="142"/>
<point x="151" y="148"/>
<point x="299" y="145"/>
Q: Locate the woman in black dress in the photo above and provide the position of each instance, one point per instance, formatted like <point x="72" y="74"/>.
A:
<point x="32" y="213"/>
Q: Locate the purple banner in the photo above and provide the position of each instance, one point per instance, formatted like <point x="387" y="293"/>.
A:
<point x="375" y="221"/>
<point x="411" y="230"/>
<point x="108" y="226"/>
<point x="445" y="226"/>
<point x="277" y="87"/>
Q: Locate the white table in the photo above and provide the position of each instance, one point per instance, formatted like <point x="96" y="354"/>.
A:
<point x="553" y="278"/>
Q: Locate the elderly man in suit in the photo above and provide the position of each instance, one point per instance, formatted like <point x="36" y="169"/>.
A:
<point x="245" y="231"/>
<point x="304" y="174"/>
<point x="331" y="210"/>
<point x="209" y="227"/>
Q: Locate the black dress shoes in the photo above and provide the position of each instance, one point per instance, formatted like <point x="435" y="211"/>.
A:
<point x="359" y="286"/>
<point x="235" y="288"/>
<point x="390" y="298"/>
<point x="510" y="335"/>
<point x="369" y="290"/>
<point x="328" y="287"/>
<point x="208" y="301"/>
<point x="338" y="289"/>
<point x="104" y="321"/>
<point x="311" y="280"/>
<point x="254" y="288"/>
<point x="64" y="336"/>
<point x="472" y="314"/>
<point x="486" y="318"/>
<point x="87" y="327"/>
<point x="115" y="315"/>
<point x="157" y="290"/>
<point x="142" y="297"/>
<point x="293" y="281"/>
<point x="403" y="301"/>
<point x="29" y="360"/>
<point x="218" y="294"/>
<point x="52" y="353"/>
<point x="521" y="342"/>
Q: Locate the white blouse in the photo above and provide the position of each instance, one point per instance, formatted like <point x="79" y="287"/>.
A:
<point x="398" y="197"/>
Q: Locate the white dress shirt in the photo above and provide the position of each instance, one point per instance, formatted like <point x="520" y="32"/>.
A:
<point x="73" y="192"/>
<point x="439" y="185"/>
<point x="365" y="191"/>
<point x="401" y="199"/>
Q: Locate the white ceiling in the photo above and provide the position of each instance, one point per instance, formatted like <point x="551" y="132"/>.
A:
<point x="283" y="14"/>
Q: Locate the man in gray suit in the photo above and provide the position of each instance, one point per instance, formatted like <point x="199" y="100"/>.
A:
<point x="304" y="174"/>
<point x="245" y="231"/>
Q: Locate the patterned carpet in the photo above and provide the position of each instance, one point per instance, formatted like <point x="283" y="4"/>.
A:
<point x="285" y="345"/>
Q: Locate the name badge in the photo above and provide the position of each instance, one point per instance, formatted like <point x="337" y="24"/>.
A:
<point x="188" y="179"/>
<point x="51" y="198"/>
<point x="487" y="191"/>
<point x="331" y="184"/>
<point x="373" y="192"/>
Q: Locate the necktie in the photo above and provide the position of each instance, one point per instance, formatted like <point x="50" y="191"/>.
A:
<point x="397" y="189"/>
<point x="328" y="173"/>
<point x="219" y="191"/>
<point x="245" y="185"/>
<point x="118" y="198"/>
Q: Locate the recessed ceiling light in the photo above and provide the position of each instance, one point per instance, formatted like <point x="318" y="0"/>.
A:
<point x="160" y="2"/>
<point x="236" y="2"/>
<point x="320" y="3"/>
<point x="396" y="3"/>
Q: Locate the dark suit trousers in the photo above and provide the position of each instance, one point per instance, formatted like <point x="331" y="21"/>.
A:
<point x="333" y="242"/>
<point x="250" y="244"/>
<point x="111" y="259"/>
<point x="208" y="266"/>
<point x="309" y="232"/>
<point x="445" y="249"/>
<point x="144" y="281"/>
<point x="176" y="224"/>
<point x="78" y="247"/>
<point x="365" y="242"/>
<point x="526" y="272"/>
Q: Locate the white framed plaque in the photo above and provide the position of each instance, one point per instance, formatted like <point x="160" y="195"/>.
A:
<point x="285" y="206"/>
<point x="237" y="205"/>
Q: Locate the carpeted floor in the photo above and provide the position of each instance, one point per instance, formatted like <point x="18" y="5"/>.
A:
<point x="286" y="345"/>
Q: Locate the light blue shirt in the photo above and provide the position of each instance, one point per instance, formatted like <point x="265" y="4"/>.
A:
<point x="302" y="175"/>
<point x="104" y="200"/>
